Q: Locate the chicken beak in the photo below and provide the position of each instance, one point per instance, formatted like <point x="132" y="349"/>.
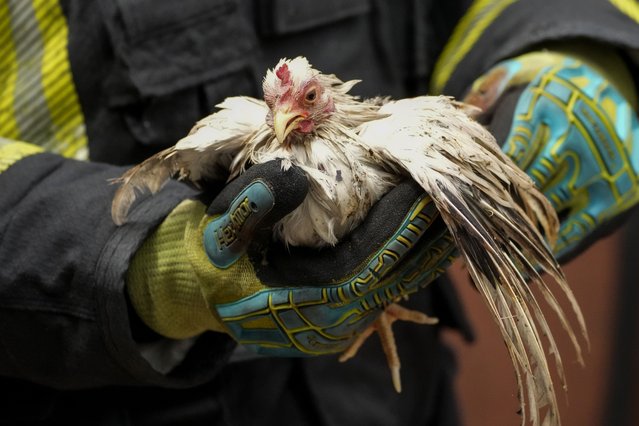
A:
<point x="284" y="121"/>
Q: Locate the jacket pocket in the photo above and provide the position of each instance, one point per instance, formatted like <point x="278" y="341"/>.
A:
<point x="168" y="55"/>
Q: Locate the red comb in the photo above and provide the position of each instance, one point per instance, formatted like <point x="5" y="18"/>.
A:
<point x="283" y="74"/>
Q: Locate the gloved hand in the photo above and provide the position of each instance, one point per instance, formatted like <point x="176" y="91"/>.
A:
<point x="213" y="268"/>
<point x="564" y="122"/>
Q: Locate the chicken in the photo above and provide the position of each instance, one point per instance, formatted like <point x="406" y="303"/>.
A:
<point x="353" y="152"/>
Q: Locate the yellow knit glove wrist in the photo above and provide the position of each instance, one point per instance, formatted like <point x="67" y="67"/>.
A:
<point x="172" y="283"/>
<point x="162" y="282"/>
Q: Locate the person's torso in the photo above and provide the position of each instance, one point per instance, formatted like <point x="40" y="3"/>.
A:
<point x="145" y="71"/>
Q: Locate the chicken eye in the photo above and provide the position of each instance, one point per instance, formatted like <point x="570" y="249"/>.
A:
<point x="311" y="95"/>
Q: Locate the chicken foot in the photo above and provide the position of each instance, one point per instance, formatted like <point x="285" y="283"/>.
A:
<point x="382" y="326"/>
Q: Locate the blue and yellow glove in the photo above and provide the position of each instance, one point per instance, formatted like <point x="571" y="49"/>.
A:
<point x="214" y="268"/>
<point x="563" y="121"/>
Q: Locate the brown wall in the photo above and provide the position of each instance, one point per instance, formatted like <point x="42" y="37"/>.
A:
<point x="486" y="384"/>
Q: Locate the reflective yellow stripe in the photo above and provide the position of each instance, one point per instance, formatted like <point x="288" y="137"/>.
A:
<point x="8" y="126"/>
<point x="59" y="90"/>
<point x="12" y="151"/>
<point x="628" y="7"/>
<point x="472" y="25"/>
<point x="38" y="101"/>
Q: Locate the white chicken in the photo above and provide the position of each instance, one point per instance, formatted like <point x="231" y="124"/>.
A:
<point x="353" y="152"/>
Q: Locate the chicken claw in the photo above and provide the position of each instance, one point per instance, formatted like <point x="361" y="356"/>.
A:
<point x="383" y="327"/>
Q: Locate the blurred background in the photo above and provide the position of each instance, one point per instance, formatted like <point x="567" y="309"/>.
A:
<point x="606" y="390"/>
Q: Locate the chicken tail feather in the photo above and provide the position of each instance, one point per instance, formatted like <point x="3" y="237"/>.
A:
<point x="498" y="220"/>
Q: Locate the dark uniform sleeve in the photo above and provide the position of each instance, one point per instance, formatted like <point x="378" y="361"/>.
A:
<point x="491" y="31"/>
<point x="64" y="317"/>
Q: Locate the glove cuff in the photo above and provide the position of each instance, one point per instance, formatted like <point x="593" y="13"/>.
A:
<point x="603" y="59"/>
<point x="486" y="92"/>
<point x="163" y="286"/>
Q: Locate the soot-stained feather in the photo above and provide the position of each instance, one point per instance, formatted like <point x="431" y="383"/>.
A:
<point x="353" y="152"/>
